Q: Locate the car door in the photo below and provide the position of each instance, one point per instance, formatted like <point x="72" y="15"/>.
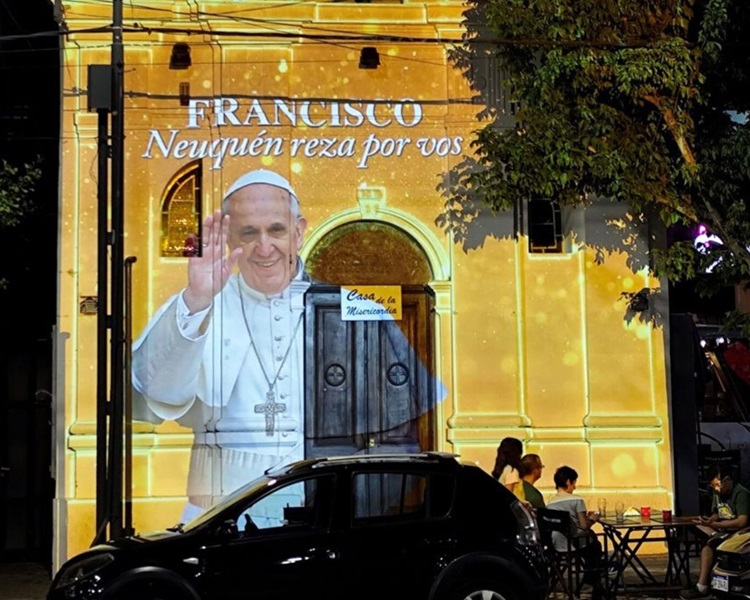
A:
<point x="398" y="529"/>
<point x="281" y="545"/>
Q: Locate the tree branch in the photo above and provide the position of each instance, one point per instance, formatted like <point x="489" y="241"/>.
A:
<point x="674" y="128"/>
<point x="716" y="220"/>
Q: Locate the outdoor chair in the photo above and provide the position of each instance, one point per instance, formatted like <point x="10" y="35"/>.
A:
<point x="567" y="568"/>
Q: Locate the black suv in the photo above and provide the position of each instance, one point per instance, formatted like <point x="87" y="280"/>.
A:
<point x="370" y="527"/>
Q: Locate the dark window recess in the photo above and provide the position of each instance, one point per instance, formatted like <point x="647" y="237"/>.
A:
<point x="545" y="226"/>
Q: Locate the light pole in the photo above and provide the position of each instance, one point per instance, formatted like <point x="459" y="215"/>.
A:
<point x="106" y="96"/>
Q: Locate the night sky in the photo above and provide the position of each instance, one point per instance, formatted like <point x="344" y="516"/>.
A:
<point x="29" y="127"/>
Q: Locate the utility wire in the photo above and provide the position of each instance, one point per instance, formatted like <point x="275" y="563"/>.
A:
<point x="358" y="37"/>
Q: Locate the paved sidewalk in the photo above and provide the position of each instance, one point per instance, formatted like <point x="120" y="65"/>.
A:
<point x="657" y="565"/>
<point x="23" y="581"/>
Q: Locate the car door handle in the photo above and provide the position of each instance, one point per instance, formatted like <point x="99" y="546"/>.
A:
<point x="327" y="554"/>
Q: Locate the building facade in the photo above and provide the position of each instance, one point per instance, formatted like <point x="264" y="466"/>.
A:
<point x="527" y="335"/>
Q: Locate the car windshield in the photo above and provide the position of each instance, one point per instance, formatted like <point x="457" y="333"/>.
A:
<point x="247" y="489"/>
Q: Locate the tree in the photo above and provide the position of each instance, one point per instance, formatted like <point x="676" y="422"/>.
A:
<point x="17" y="186"/>
<point x="639" y="102"/>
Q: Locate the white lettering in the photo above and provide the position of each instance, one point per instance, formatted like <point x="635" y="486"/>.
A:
<point x="335" y="120"/>
<point x="220" y="112"/>
<point x="346" y="148"/>
<point x="304" y="114"/>
<point x="280" y="106"/>
<point x="198" y="149"/>
<point x="239" y="146"/>
<point x="353" y="112"/>
<point x="296" y="144"/>
<point x="369" y="151"/>
<point x="387" y="147"/>
<point x="156" y="137"/>
<point x="228" y="111"/>
<point x="195" y="111"/>
<point x="327" y="145"/>
<point x="457" y="149"/>
<point x="256" y="112"/>
<point x="310" y="147"/>
<point x="370" y="111"/>
<point x="216" y="149"/>
<point x="416" y="113"/>
<point x="180" y="148"/>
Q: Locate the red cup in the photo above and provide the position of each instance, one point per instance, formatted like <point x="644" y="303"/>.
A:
<point x="666" y="515"/>
<point x="646" y="512"/>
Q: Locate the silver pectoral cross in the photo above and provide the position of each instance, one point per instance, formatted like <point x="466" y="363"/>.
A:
<point x="270" y="407"/>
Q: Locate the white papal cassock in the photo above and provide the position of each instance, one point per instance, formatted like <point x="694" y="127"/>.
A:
<point x="209" y="378"/>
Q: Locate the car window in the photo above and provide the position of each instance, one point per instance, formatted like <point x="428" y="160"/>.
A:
<point x="250" y="489"/>
<point x="302" y="504"/>
<point x="401" y="496"/>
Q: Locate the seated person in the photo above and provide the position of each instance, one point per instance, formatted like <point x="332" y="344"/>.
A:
<point x="583" y="540"/>
<point x="507" y="465"/>
<point x="531" y="472"/>
<point x="730" y="507"/>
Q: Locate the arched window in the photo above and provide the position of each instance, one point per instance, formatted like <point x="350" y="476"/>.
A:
<point x="182" y="213"/>
<point x="359" y="253"/>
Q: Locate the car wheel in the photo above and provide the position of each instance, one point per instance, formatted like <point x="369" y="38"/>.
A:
<point x="481" y="589"/>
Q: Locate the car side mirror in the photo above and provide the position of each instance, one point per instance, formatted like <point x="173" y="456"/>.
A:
<point x="227" y="530"/>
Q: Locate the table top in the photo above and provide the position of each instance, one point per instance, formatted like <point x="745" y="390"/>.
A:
<point x="655" y="521"/>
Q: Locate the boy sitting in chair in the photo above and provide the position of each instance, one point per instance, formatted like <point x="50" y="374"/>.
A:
<point x="582" y="539"/>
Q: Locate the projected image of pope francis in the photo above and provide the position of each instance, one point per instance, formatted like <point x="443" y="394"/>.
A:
<point x="225" y="355"/>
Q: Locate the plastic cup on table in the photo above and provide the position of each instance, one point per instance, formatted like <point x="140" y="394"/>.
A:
<point x="601" y="506"/>
<point x="666" y="515"/>
<point x="645" y="512"/>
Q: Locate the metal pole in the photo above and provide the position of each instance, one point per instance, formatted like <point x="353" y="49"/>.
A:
<point x="128" y="530"/>
<point x="102" y="503"/>
<point x="117" y="275"/>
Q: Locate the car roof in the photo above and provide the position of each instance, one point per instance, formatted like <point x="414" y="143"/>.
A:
<point x="445" y="459"/>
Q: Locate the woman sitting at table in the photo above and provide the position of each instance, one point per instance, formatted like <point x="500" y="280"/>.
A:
<point x="582" y="538"/>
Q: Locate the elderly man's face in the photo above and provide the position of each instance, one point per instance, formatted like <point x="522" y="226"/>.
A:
<point x="261" y="223"/>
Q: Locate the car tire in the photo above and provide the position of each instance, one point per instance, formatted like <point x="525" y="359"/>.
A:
<point x="480" y="589"/>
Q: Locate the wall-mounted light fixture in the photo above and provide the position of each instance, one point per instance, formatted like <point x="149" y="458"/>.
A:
<point x="180" y="58"/>
<point x="369" y="58"/>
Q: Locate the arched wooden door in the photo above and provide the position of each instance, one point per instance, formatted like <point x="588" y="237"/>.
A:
<point x="369" y="385"/>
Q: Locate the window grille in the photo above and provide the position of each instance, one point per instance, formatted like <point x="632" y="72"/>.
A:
<point x="545" y="226"/>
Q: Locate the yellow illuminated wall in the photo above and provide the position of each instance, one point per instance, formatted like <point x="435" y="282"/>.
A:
<point x="534" y="346"/>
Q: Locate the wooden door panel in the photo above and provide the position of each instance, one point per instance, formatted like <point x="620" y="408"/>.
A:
<point x="334" y="420"/>
<point x="404" y="381"/>
<point x="368" y="387"/>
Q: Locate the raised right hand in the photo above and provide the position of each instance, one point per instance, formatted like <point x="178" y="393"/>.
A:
<point x="208" y="273"/>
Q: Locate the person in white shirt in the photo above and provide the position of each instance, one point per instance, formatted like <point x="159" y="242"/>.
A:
<point x="225" y="355"/>
<point x="582" y="539"/>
